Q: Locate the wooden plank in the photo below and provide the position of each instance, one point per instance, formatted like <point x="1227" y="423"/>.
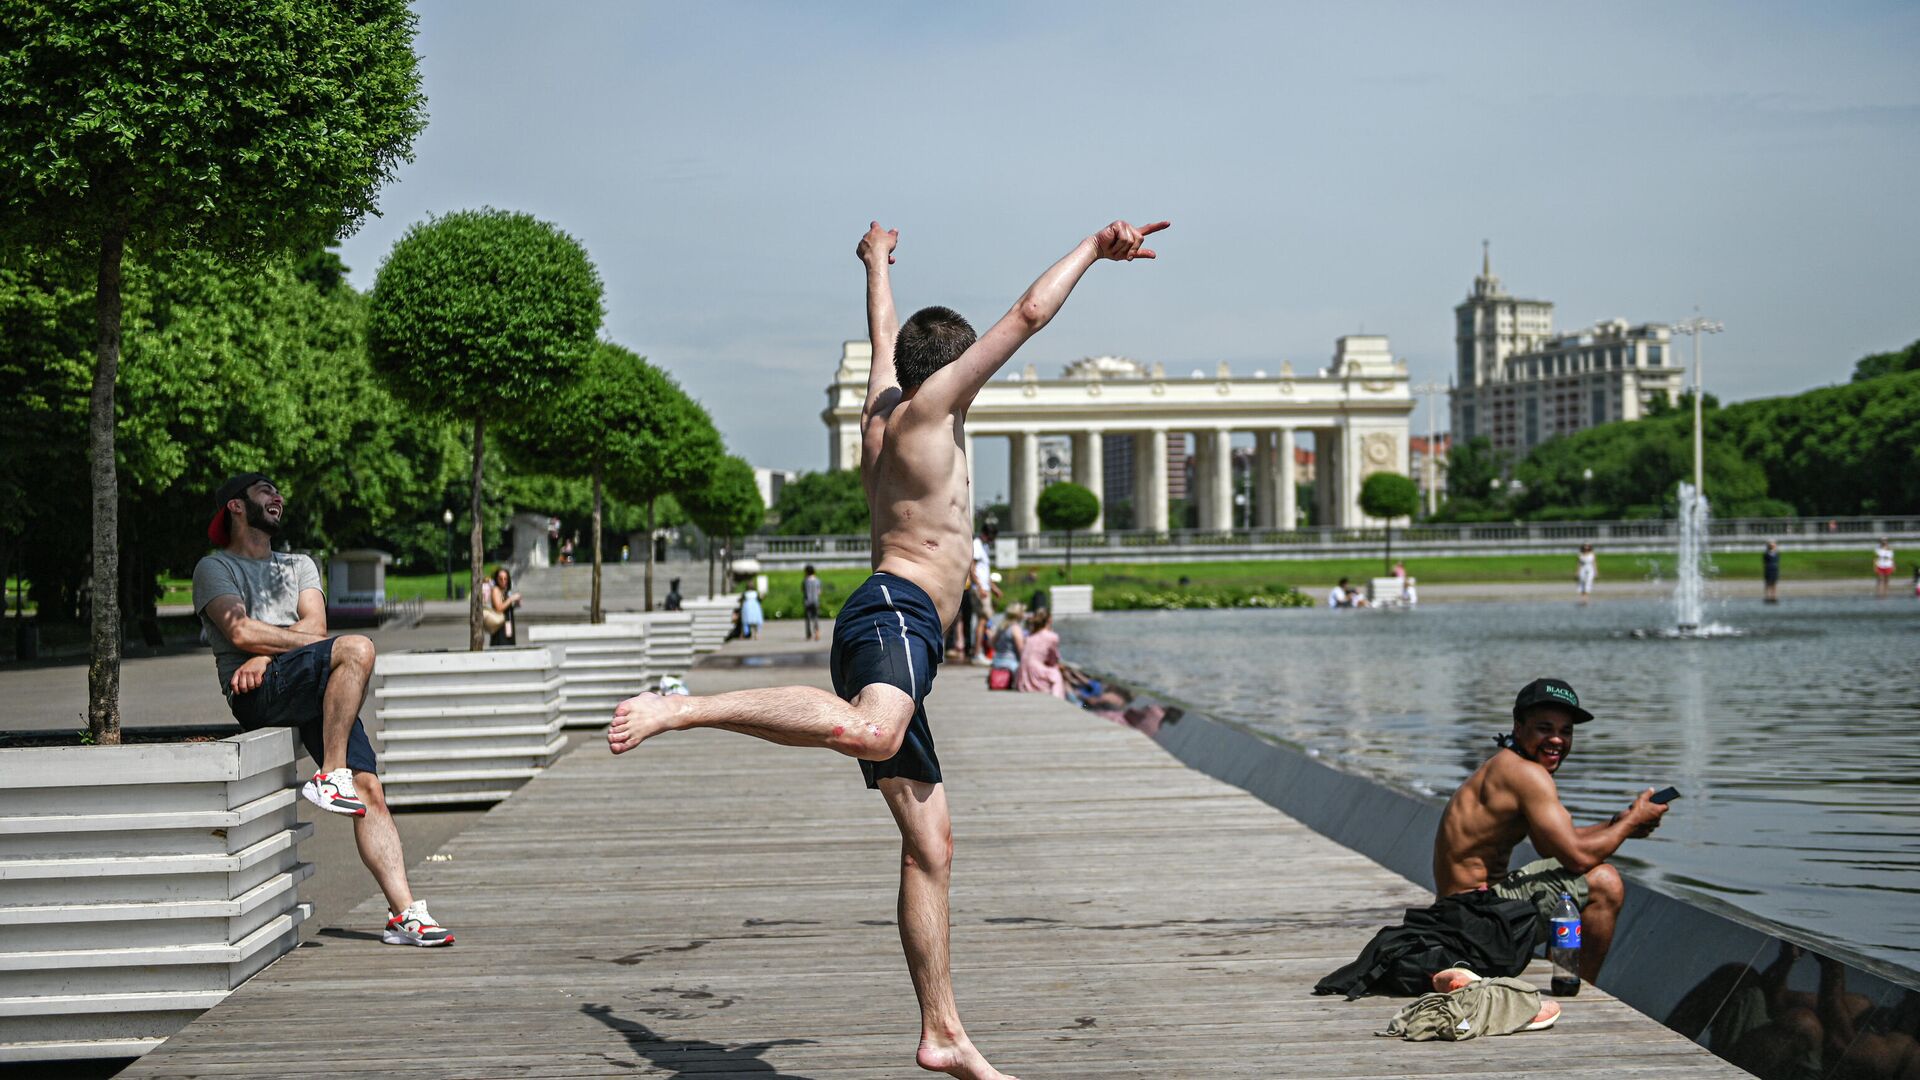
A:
<point x="712" y="906"/>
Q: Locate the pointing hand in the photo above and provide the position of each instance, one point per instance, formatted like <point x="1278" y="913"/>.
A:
<point x="1122" y="242"/>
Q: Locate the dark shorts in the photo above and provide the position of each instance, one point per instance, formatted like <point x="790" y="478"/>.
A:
<point x="888" y="632"/>
<point x="291" y="694"/>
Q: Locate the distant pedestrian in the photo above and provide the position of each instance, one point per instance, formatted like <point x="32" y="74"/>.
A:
<point x="1770" y="569"/>
<point x="1589" y="570"/>
<point x="810" y="602"/>
<point x="1009" y="640"/>
<point x="497" y="603"/>
<point x="625" y="551"/>
<point x="566" y="552"/>
<point x="1040" y="659"/>
<point x="750" y="614"/>
<point x="673" y="595"/>
<point x="1400" y="570"/>
<point x="1882" y="568"/>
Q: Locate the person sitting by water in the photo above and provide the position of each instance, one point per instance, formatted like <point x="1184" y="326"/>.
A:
<point x="1009" y="641"/>
<point x="1512" y="797"/>
<point x="1341" y="596"/>
<point x="1040" y="658"/>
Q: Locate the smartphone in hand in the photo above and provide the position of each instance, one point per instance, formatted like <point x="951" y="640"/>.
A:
<point x="1666" y="795"/>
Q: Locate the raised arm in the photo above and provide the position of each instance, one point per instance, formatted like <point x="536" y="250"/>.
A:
<point x="883" y="324"/>
<point x="955" y="385"/>
<point x="1579" y="849"/>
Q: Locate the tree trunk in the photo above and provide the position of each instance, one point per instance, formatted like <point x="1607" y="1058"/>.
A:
<point x="594" y="614"/>
<point x="476" y="546"/>
<point x="1389" y="559"/>
<point x="103" y="665"/>
<point x="709" y="565"/>
<point x="649" y="554"/>
<point x="1069" y="554"/>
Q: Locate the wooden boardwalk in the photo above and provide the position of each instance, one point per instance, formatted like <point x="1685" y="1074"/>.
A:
<point x="714" y="908"/>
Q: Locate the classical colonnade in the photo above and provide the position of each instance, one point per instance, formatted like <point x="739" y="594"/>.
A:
<point x="1356" y="409"/>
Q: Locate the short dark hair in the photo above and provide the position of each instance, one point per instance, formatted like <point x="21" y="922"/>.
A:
<point x="933" y="338"/>
<point x="809" y="569"/>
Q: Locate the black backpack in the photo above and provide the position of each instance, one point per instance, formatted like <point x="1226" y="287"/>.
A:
<point x="1475" y="930"/>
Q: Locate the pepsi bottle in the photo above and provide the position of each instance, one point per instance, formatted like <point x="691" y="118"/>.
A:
<point x="1563" y="949"/>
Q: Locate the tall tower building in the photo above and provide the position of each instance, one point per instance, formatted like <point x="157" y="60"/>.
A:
<point x="1518" y="384"/>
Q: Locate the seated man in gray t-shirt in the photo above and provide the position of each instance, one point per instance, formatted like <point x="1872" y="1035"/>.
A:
<point x="265" y="616"/>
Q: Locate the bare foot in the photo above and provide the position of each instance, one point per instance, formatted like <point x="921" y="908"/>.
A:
<point x="960" y="1059"/>
<point x="636" y="720"/>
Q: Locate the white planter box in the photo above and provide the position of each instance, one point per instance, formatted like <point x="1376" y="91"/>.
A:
<point x="712" y="622"/>
<point x="464" y="727"/>
<point x="599" y="666"/>
<point x="1071" y="599"/>
<point x="140" y="884"/>
<point x="669" y="640"/>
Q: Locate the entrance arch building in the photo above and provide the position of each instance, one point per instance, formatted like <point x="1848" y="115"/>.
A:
<point x="1356" y="408"/>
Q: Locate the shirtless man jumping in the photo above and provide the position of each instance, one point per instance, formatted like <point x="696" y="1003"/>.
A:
<point x="1512" y="796"/>
<point x="889" y="636"/>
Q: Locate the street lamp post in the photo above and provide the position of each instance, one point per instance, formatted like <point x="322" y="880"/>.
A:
<point x="1696" y="327"/>
<point x="1431" y="474"/>
<point x="446" y="518"/>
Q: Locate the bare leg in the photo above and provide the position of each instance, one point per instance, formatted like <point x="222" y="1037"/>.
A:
<point x="926" y="862"/>
<point x="1605" y="893"/>
<point x="379" y="843"/>
<point x="346" y="692"/>
<point x="869" y="727"/>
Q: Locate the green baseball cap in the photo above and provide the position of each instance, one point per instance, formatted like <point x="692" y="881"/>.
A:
<point x="1553" y="692"/>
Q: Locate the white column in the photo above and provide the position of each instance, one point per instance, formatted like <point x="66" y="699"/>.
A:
<point x="1286" y="515"/>
<point x="1198" y="449"/>
<point x="1264" y="488"/>
<point x="1155" y="467"/>
<point x="1222" y="478"/>
<point x="1023" y="461"/>
<point x="1090" y="470"/>
<point x="1324" y="480"/>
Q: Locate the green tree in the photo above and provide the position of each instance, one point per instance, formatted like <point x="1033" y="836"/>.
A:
<point x="601" y="422"/>
<point x="482" y="315"/>
<point x="671" y="450"/>
<point x="236" y="126"/>
<point x="1067" y="506"/>
<point x="1472" y="468"/>
<point x="1389" y="495"/>
<point x="829" y="503"/>
<point x="1887" y="363"/>
<point x="727" y="505"/>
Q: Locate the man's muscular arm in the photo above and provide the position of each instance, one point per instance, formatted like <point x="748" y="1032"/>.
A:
<point x="1554" y="834"/>
<point x="312" y="609"/>
<point x="953" y="387"/>
<point x="259" y="638"/>
<point x="883" y="324"/>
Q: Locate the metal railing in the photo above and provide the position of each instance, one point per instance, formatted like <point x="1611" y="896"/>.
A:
<point x="1523" y="535"/>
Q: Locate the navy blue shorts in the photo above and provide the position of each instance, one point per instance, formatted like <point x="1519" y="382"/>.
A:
<point x="888" y="632"/>
<point x="291" y="694"/>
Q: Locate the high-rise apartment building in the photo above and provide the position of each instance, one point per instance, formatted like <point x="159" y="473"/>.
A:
<point x="1519" y="384"/>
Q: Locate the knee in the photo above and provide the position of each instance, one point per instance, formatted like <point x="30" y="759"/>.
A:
<point x="930" y="854"/>
<point x="1604" y="887"/>
<point x="353" y="650"/>
<point x="876" y="729"/>
<point x="367" y="786"/>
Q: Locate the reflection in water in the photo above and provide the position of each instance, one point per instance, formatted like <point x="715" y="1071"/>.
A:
<point x="1796" y="745"/>
<point x="1761" y="1022"/>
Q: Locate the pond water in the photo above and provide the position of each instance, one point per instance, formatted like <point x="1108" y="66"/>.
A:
<point x="1795" y="743"/>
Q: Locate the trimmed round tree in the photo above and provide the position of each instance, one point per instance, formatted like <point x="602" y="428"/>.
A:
<point x="672" y="451"/>
<point x="242" y="127"/>
<point x="483" y="315"/>
<point x="592" y="424"/>
<point x="1388" y="495"/>
<point x="727" y="505"/>
<point x="1069" y="507"/>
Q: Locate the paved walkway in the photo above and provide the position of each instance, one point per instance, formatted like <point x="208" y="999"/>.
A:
<point x="711" y="906"/>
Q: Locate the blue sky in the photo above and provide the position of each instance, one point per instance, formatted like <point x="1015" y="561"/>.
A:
<point x="1329" y="169"/>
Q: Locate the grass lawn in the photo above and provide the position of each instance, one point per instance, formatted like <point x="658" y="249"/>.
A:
<point x="399" y="587"/>
<point x="1315" y="575"/>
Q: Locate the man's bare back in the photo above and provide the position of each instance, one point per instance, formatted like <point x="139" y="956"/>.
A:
<point x="1482" y="824"/>
<point x="913" y="441"/>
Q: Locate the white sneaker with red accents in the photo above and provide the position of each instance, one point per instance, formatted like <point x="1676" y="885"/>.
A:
<point x="333" y="791"/>
<point x="415" y="926"/>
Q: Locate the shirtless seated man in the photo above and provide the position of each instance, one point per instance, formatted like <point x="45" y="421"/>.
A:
<point x="1512" y="796"/>
<point x="889" y="636"/>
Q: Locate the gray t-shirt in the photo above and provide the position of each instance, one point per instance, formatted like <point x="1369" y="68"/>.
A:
<point x="811" y="588"/>
<point x="269" y="589"/>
